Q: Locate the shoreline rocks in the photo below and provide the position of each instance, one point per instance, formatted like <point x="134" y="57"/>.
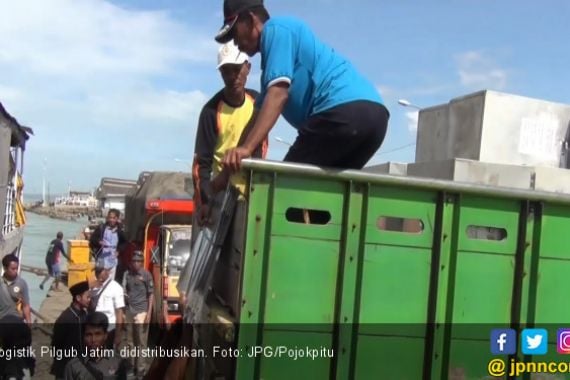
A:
<point x="70" y="213"/>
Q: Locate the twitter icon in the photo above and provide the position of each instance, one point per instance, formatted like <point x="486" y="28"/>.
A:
<point x="534" y="341"/>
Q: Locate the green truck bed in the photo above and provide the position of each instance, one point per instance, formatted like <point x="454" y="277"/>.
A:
<point x="392" y="277"/>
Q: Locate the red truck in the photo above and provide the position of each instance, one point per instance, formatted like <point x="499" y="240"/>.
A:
<point x="158" y="222"/>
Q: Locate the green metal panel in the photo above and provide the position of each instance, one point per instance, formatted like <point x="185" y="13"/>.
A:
<point x="483" y="288"/>
<point x="287" y="358"/>
<point x="388" y="358"/>
<point x="442" y="276"/>
<point x="396" y="264"/>
<point x="552" y="304"/>
<point x="306" y="193"/>
<point x="530" y="251"/>
<point x="394" y="287"/>
<point x="292" y="266"/>
<point x="468" y="359"/>
<point x="485" y="269"/>
<point x="553" y="267"/>
<point x="488" y="212"/>
<point x="483" y="276"/>
<point x="400" y="203"/>
<point x="351" y="256"/>
<point x="258" y="225"/>
<point x="301" y="282"/>
<point x="303" y="260"/>
<point x="390" y="283"/>
<point x="555" y="239"/>
<point x="530" y="278"/>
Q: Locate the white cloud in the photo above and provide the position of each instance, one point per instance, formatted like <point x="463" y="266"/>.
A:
<point x="477" y="71"/>
<point x="412" y="118"/>
<point x="82" y="38"/>
<point x="149" y="105"/>
<point x="89" y="76"/>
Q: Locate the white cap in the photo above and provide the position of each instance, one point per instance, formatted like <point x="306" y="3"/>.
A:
<point x="229" y="53"/>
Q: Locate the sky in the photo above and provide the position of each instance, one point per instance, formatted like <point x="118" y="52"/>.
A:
<point x="113" y="88"/>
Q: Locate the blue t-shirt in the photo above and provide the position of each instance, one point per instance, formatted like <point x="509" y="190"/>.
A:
<point x="319" y="77"/>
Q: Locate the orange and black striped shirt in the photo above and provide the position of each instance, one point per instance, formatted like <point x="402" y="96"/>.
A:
<point x="220" y="127"/>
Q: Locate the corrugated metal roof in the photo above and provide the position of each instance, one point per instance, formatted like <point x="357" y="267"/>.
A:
<point x="20" y="133"/>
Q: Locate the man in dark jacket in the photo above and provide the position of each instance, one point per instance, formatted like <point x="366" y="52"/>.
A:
<point x="107" y="244"/>
<point x="67" y="331"/>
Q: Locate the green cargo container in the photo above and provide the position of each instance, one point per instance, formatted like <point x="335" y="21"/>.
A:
<point x="398" y="278"/>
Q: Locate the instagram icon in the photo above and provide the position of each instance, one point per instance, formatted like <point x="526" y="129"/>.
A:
<point x="563" y="343"/>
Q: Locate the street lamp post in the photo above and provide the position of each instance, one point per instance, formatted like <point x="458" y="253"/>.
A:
<point x="407" y="103"/>
<point x="280" y="140"/>
<point x="184" y="161"/>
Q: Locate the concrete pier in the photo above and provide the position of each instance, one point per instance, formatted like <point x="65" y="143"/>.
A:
<point x="43" y="320"/>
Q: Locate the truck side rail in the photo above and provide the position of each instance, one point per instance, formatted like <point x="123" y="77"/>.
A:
<point x="409" y="181"/>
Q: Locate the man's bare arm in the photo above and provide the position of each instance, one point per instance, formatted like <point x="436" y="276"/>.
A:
<point x="271" y="109"/>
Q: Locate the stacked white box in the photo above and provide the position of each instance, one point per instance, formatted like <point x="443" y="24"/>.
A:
<point x="494" y="127"/>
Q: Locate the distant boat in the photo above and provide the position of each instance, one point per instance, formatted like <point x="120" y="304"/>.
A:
<point x="13" y="138"/>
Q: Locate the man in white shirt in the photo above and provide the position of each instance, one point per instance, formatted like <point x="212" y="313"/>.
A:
<point x="108" y="297"/>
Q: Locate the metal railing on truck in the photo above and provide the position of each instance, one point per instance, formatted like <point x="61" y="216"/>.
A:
<point x="397" y="277"/>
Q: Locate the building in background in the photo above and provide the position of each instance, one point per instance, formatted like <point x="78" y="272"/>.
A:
<point x="111" y="193"/>
<point x="77" y="199"/>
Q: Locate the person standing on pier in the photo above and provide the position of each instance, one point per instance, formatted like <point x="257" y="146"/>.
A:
<point x="68" y="328"/>
<point x="53" y="258"/>
<point x="17" y="286"/>
<point x="108" y="242"/>
<point x="108" y="297"/>
<point x="14" y="334"/>
<point x="139" y="290"/>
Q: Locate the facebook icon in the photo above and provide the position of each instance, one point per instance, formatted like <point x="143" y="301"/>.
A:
<point x="503" y="341"/>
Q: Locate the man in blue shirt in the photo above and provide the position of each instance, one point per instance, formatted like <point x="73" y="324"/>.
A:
<point x="339" y="114"/>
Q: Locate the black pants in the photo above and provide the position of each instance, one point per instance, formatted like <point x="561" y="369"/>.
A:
<point x="120" y="271"/>
<point x="110" y="343"/>
<point x="344" y="137"/>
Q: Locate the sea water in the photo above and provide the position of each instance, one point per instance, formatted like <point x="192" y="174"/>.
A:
<point x="39" y="232"/>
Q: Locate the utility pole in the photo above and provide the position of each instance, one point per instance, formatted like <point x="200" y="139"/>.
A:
<point x="44" y="201"/>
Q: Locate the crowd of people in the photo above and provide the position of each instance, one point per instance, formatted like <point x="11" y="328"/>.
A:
<point x="104" y="316"/>
<point x="107" y="315"/>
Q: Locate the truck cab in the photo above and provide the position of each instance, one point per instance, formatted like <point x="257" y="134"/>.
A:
<point x="166" y="246"/>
